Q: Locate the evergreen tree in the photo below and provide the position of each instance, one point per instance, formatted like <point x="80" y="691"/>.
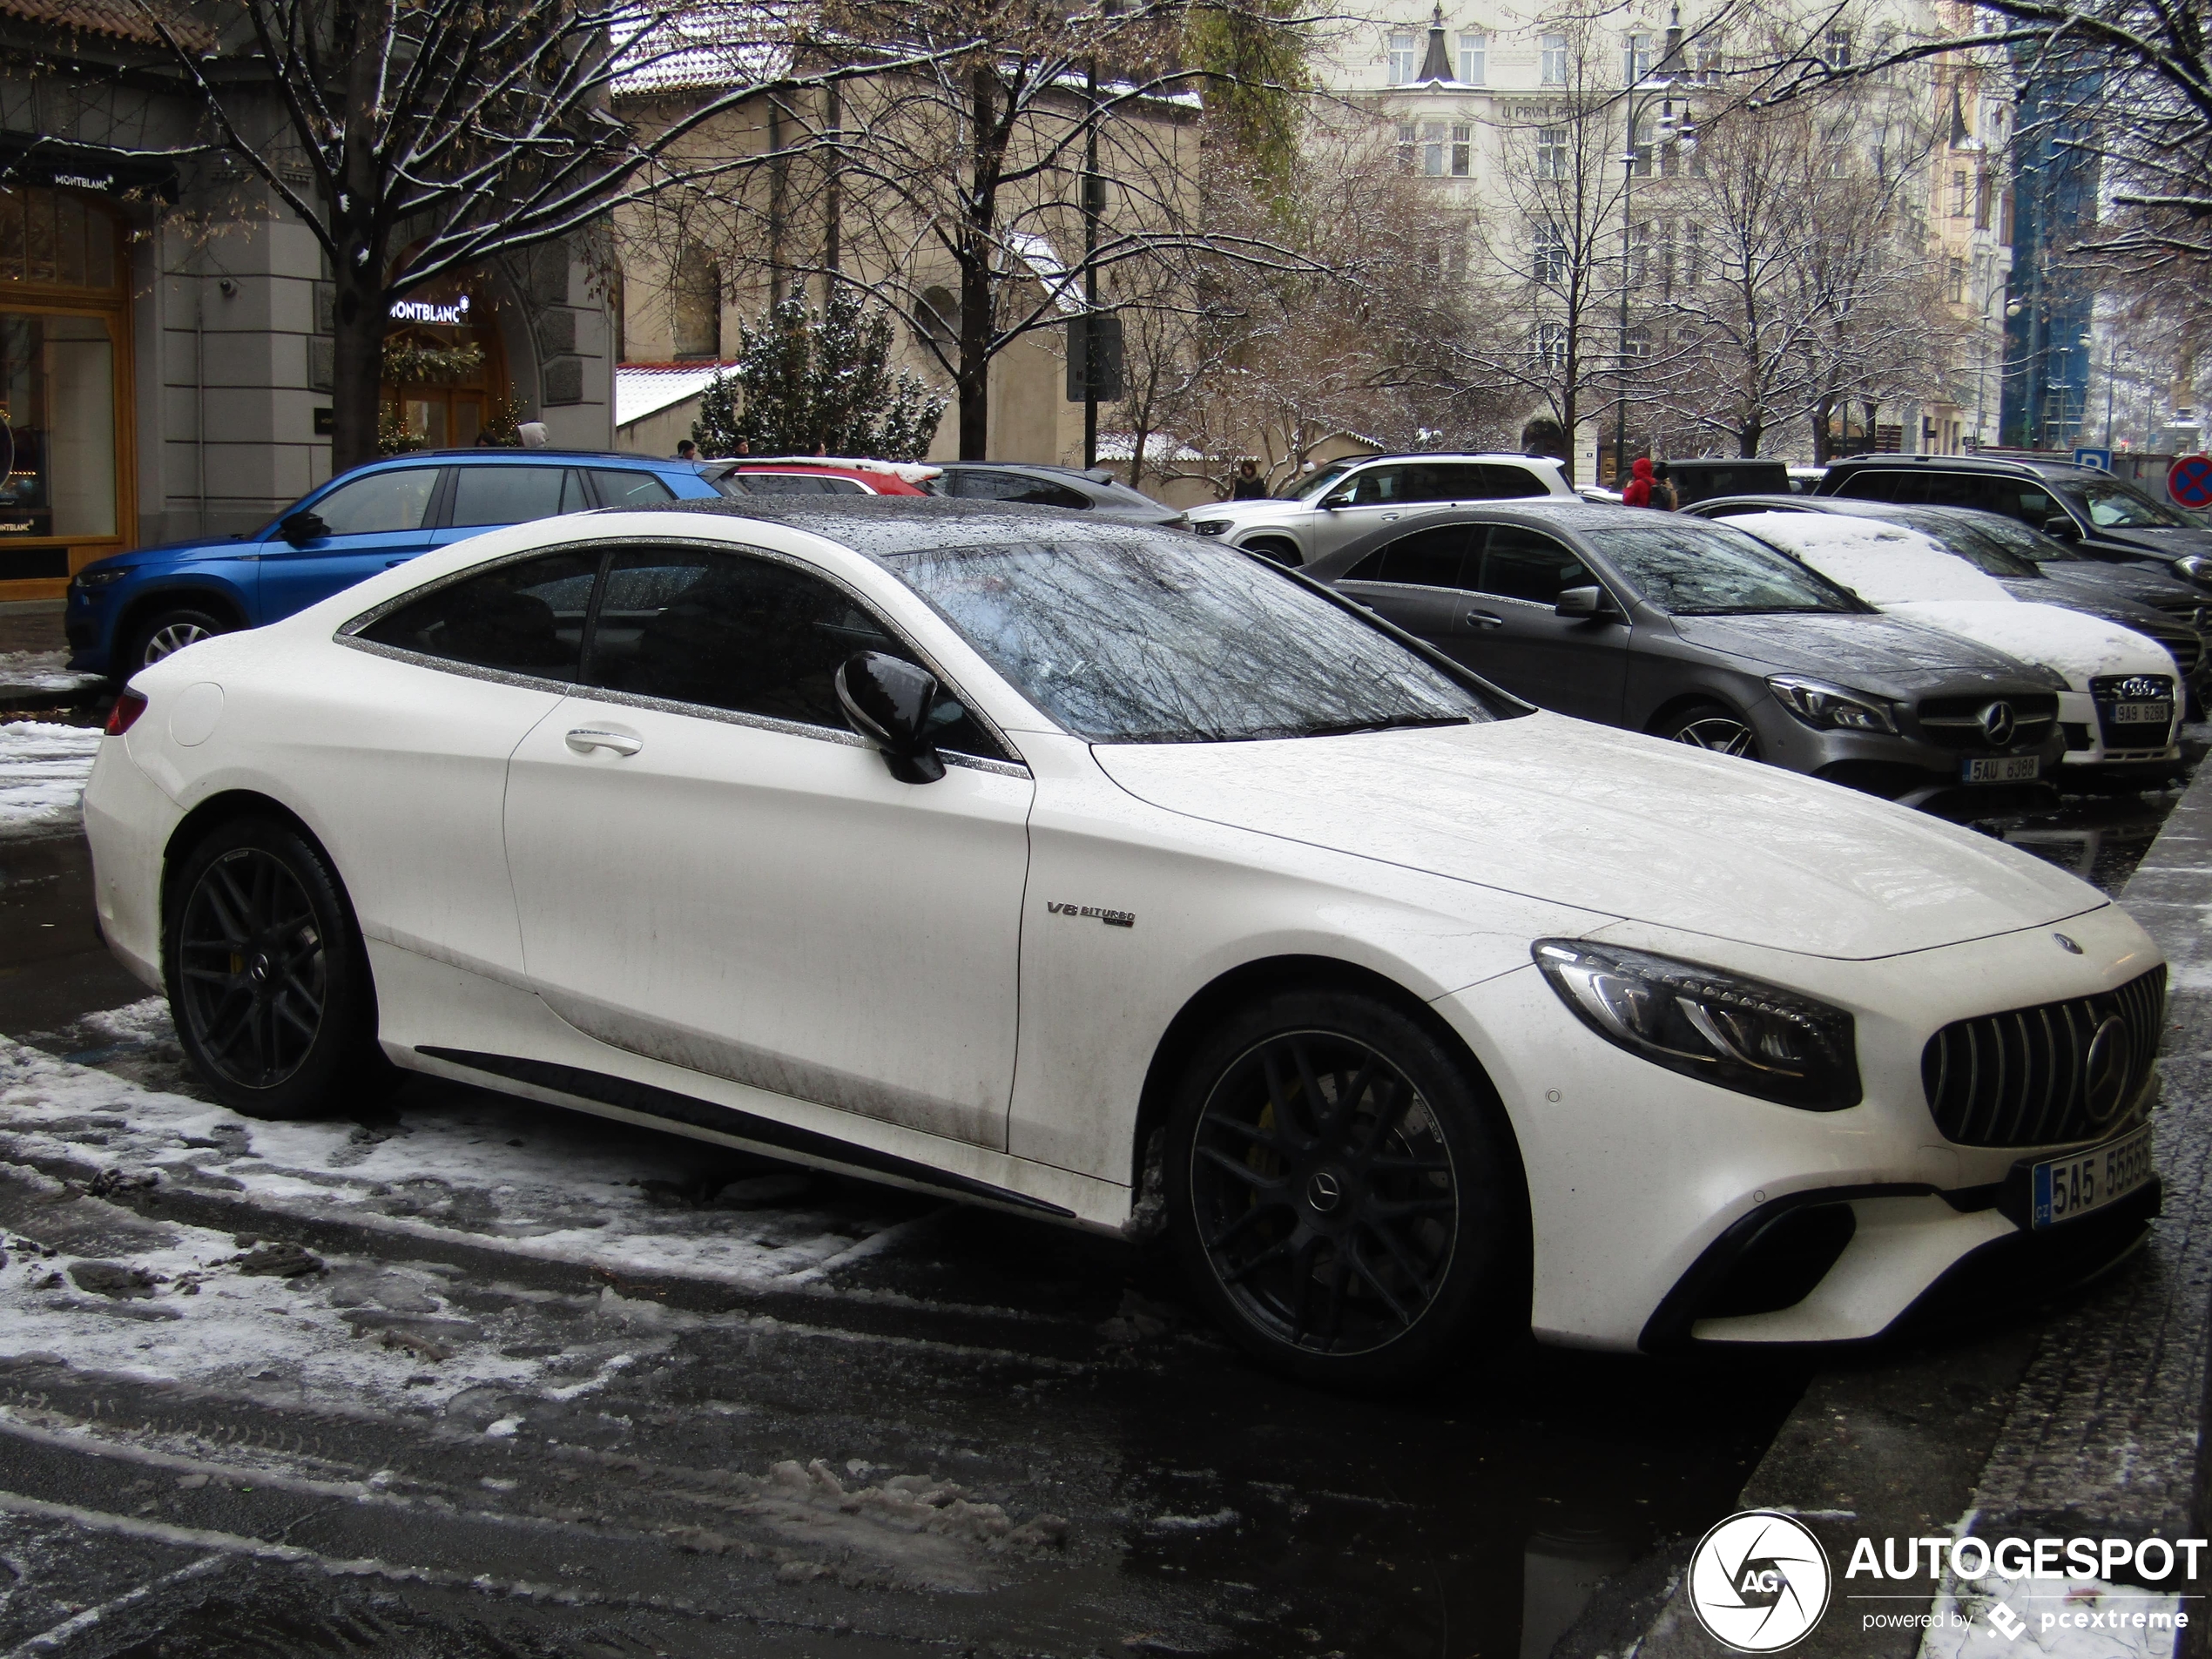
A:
<point x="809" y="382"/>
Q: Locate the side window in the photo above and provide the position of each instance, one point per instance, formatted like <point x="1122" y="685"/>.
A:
<point x="383" y="500"/>
<point x="505" y="495"/>
<point x="1521" y="563"/>
<point x="1880" y="484"/>
<point x="630" y="488"/>
<point x="725" y="631"/>
<point x="1379" y="486"/>
<point x="1430" y="558"/>
<point x="525" y="617"/>
<point x="1509" y="483"/>
<point x="977" y="486"/>
<point x="1043" y="492"/>
<point x="2030" y="503"/>
<point x="797" y="483"/>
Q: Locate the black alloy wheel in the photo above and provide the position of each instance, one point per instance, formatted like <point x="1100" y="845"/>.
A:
<point x="267" y="978"/>
<point x="1338" y="1191"/>
<point x="1709" y="725"/>
<point x="166" y="633"/>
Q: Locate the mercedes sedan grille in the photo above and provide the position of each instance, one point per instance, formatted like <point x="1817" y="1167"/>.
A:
<point x="2047" y="1076"/>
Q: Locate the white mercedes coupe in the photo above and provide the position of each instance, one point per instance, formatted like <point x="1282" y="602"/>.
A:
<point x="1094" y="871"/>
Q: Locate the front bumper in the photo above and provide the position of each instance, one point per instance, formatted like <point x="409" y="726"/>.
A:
<point x="1902" y="767"/>
<point x="1634" y="1173"/>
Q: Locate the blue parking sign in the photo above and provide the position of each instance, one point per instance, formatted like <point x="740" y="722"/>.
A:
<point x="2101" y="459"/>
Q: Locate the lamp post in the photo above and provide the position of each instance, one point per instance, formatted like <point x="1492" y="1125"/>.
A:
<point x="1673" y="129"/>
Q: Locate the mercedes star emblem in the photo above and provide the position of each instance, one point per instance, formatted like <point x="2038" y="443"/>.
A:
<point x="1998" y="723"/>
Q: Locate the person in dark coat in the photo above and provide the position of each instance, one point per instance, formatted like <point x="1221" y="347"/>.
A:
<point x="1248" y="484"/>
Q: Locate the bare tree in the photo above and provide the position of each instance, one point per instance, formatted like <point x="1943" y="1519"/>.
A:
<point x="419" y="138"/>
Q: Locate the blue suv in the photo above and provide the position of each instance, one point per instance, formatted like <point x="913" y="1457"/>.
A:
<point x="135" y="607"/>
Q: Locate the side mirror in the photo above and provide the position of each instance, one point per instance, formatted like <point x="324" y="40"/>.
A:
<point x="1330" y="503"/>
<point x="2063" y="528"/>
<point x="891" y="704"/>
<point x="302" y="527"/>
<point x="1585" y="602"/>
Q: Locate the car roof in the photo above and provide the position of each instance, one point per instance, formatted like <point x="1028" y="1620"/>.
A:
<point x="881" y="527"/>
<point x="2002" y="465"/>
<point x="1571" y="512"/>
<point x="487" y="452"/>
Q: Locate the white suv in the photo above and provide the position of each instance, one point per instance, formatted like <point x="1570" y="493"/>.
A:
<point x="1350" y="497"/>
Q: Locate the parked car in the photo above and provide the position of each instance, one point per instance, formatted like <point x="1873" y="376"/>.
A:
<point x="1695" y="480"/>
<point x="1451" y="1017"/>
<point x="2105" y="517"/>
<point x="2120" y="712"/>
<point x="132" y="609"/>
<point x="2031" y="566"/>
<point x="1031" y="484"/>
<point x="1803" y="481"/>
<point x="1346" y="499"/>
<point x="1691" y="631"/>
<point x="819" y="475"/>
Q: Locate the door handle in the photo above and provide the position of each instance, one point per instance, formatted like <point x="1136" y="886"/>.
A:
<point x="585" y="738"/>
<point x="1387" y="517"/>
<point x="1484" y="619"/>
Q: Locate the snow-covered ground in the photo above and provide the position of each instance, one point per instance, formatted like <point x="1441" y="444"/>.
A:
<point x="531" y="1182"/>
<point x="2065" y="1619"/>
<point x="42" y="670"/>
<point x="43" y="769"/>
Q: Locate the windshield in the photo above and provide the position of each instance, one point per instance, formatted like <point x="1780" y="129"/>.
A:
<point x="2112" y="506"/>
<point x="1688" y="568"/>
<point x="1312" y="488"/>
<point x="2030" y="544"/>
<point x="1970" y="541"/>
<point x="1141" y="638"/>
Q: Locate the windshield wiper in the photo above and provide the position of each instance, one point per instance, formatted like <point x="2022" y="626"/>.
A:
<point x="1389" y="723"/>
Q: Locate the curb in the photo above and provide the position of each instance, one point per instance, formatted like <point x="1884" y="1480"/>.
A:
<point x="2086" y="1421"/>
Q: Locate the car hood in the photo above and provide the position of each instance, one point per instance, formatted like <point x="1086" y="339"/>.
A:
<point x="1847" y="646"/>
<point x="216" y="547"/>
<point x="1271" y="509"/>
<point x="2136" y="582"/>
<point x="2169" y="543"/>
<point x="1560" y="810"/>
<point x="2073" y="642"/>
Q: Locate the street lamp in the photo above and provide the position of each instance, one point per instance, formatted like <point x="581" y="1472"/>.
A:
<point x="1679" y="130"/>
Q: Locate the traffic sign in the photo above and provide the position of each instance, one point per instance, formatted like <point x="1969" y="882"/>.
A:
<point x="2101" y="459"/>
<point x="2188" y="481"/>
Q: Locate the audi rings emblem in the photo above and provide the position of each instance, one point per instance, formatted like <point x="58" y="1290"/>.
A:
<point x="1998" y="723"/>
<point x="2104" y="1073"/>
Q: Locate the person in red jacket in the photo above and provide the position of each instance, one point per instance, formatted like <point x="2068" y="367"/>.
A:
<point x="1638" y="494"/>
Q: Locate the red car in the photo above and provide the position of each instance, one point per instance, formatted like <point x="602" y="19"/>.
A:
<point x="820" y="475"/>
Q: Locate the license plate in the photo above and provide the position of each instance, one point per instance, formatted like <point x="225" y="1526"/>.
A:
<point x="2142" y="713"/>
<point x="2004" y="769"/>
<point x="2072" y="1186"/>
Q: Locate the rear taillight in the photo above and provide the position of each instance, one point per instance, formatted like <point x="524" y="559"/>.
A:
<point x="125" y="715"/>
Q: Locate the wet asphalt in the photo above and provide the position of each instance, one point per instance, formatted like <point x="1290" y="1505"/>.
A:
<point x="1101" y="1475"/>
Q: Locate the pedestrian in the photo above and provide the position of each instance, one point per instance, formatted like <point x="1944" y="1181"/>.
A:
<point x="1248" y="484"/>
<point x="686" y="450"/>
<point x="486" y="440"/>
<point x="1638" y="494"/>
<point x="1664" y="495"/>
<point x="534" y="435"/>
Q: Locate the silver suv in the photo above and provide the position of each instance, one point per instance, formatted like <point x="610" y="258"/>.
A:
<point x="1346" y="499"/>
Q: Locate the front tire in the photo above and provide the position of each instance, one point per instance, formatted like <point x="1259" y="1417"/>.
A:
<point x="167" y="632"/>
<point x="1341" y="1193"/>
<point x="1714" y="726"/>
<point x="268" y="977"/>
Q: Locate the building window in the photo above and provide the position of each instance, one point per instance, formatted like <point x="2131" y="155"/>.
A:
<point x="1551" y="255"/>
<point x="1636" y="346"/>
<point x="1693" y="254"/>
<point x="1551" y="152"/>
<point x="1954" y="282"/>
<point x="1835" y="48"/>
<point x="1959" y="193"/>
<point x="1641" y="146"/>
<point x="1706" y="63"/>
<point x="1555" y="60"/>
<point x="1982" y="194"/>
<point x="1409" y="147"/>
<point x="1403" y="59"/>
<point x="1474" y="50"/>
<point x="1635" y="58"/>
<point x="1434" y="157"/>
<point x="695" y="305"/>
<point x="1639" y="254"/>
<point x="1462" y="149"/>
<point x="1550" y="340"/>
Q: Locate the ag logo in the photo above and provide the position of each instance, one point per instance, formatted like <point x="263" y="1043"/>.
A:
<point x="1758" y="1581"/>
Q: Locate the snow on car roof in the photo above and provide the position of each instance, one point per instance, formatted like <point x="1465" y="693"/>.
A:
<point x="1883" y="562"/>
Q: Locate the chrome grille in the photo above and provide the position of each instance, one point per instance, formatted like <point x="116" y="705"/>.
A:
<point x="2186" y="606"/>
<point x="2109" y="691"/>
<point x="2183" y="644"/>
<point x="1956" y="722"/>
<point x="2021" y="1079"/>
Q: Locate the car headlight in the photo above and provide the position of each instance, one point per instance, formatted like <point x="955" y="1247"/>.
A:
<point x="91" y="581"/>
<point x="1210" y="526"/>
<point x="1735" y="1033"/>
<point x="1831" y="708"/>
<point x="2194" y="566"/>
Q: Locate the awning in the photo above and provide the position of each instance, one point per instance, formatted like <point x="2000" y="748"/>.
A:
<point x="29" y="158"/>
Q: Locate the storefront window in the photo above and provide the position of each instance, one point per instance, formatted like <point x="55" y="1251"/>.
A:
<point x="57" y="383"/>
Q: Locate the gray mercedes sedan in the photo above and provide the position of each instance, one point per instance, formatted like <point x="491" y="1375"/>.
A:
<point x="1695" y="631"/>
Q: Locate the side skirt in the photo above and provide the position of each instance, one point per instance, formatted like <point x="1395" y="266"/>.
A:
<point x="646" y="1101"/>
